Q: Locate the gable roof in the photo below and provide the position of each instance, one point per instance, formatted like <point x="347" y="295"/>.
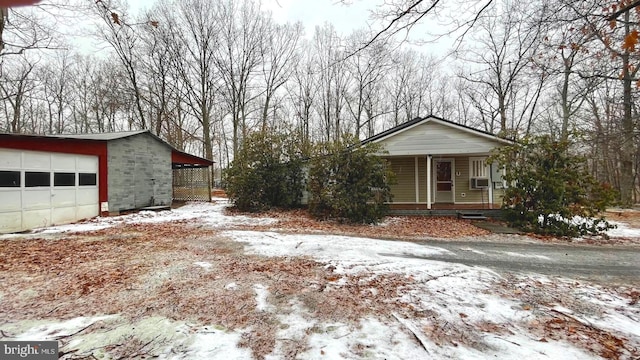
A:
<point x="103" y="136"/>
<point x="431" y="118"/>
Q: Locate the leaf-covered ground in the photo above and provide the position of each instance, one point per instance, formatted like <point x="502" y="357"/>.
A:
<point x="393" y="227"/>
<point x="201" y="283"/>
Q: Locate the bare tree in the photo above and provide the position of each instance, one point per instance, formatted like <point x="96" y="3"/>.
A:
<point x="367" y="70"/>
<point x="301" y="91"/>
<point x="237" y="59"/>
<point x="119" y="32"/>
<point x="507" y="43"/>
<point x="191" y="33"/>
<point x="56" y="76"/>
<point x="29" y="28"/>
<point x="14" y="89"/>
<point x="332" y="80"/>
<point x="279" y="54"/>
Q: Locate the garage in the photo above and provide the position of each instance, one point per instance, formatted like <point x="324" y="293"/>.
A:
<point x="51" y="180"/>
<point x="42" y="188"/>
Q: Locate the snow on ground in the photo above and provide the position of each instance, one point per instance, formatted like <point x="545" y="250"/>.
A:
<point x="210" y="214"/>
<point x="623" y="230"/>
<point x="446" y="289"/>
<point x="461" y="298"/>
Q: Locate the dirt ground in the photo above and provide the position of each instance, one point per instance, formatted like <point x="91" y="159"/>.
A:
<point x="142" y="271"/>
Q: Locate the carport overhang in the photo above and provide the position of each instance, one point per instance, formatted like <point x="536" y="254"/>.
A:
<point x="182" y="160"/>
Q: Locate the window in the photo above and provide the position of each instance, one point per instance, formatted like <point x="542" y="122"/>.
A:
<point x="9" y="178"/>
<point x="64" y="179"/>
<point x="478" y="168"/>
<point x="87" y="179"/>
<point x="35" y="179"/>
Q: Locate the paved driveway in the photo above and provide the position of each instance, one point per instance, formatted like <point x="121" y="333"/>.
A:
<point x="606" y="264"/>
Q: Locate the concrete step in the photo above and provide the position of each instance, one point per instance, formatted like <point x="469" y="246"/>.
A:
<point x="471" y="216"/>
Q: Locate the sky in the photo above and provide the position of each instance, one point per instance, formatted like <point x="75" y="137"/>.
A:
<point x="314" y="13"/>
<point x="346" y="18"/>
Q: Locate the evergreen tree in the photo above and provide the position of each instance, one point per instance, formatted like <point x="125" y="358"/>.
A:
<point x="550" y="190"/>
<point x="267" y="172"/>
<point x="349" y="182"/>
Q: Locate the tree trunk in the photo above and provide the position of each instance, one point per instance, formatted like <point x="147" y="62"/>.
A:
<point x="626" y="155"/>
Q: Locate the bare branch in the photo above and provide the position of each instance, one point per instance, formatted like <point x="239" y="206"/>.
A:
<point x="623" y="10"/>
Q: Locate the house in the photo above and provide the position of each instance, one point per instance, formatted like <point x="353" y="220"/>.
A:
<point x="46" y="180"/>
<point x="441" y="165"/>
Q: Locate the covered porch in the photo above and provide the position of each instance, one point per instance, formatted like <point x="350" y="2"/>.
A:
<point x="442" y="165"/>
<point x="445" y="182"/>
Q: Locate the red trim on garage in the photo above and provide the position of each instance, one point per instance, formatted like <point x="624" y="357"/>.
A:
<point x="67" y="146"/>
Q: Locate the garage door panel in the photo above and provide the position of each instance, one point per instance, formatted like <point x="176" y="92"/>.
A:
<point x="10" y="159"/>
<point x="63" y="162"/>
<point x="36" y="199"/>
<point x="36" y="161"/>
<point x="88" y="196"/>
<point x="86" y="212"/>
<point x="11" y="222"/>
<point x="36" y="218"/>
<point x="87" y="164"/>
<point x="63" y="215"/>
<point x="64" y="198"/>
<point x="11" y="201"/>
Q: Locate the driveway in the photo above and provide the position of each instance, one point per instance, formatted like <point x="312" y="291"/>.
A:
<point x="619" y="264"/>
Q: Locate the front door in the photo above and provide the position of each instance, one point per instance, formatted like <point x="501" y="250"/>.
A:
<point x="443" y="181"/>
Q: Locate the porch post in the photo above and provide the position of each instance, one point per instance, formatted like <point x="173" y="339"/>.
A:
<point x="428" y="182"/>
<point x="417" y="180"/>
<point x="490" y="186"/>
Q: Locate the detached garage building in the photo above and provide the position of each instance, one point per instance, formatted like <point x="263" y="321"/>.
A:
<point x="46" y="180"/>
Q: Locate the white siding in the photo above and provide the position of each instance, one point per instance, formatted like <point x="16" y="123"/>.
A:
<point x="432" y="137"/>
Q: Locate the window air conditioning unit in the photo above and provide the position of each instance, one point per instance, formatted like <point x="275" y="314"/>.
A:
<point x="479" y="183"/>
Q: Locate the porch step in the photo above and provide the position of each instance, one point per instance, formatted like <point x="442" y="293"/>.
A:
<point x="471" y="216"/>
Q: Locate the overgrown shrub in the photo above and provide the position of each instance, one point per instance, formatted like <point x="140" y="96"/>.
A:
<point x="266" y="173"/>
<point x="349" y="182"/>
<point x="550" y="190"/>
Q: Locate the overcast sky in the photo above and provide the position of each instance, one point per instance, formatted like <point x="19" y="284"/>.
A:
<point x="311" y="13"/>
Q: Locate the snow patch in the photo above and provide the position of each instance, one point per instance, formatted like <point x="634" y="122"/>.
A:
<point x="203" y="264"/>
<point x="52" y="331"/>
<point x="261" y="297"/>
<point x="515" y="254"/>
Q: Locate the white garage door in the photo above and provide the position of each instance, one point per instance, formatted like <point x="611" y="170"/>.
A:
<point x="40" y="189"/>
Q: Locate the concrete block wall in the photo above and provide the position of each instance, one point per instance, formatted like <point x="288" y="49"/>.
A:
<point x="139" y="173"/>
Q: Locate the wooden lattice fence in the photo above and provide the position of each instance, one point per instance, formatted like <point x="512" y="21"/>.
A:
<point x="191" y="184"/>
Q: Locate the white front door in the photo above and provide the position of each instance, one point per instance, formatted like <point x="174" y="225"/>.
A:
<point x="443" y="181"/>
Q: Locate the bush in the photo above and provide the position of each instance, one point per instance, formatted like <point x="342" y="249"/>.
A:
<point x="267" y="172"/>
<point x="349" y="182"/>
<point x="550" y="191"/>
